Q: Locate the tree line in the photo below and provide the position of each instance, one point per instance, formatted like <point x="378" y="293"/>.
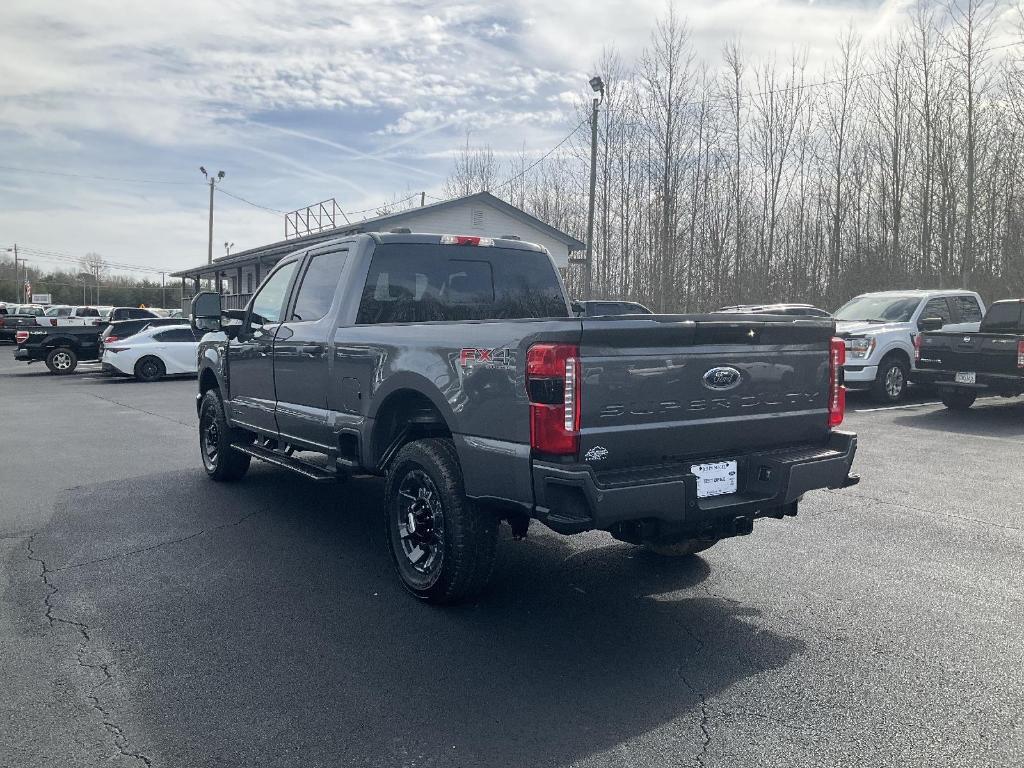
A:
<point x="896" y="165"/>
<point x="93" y="283"/>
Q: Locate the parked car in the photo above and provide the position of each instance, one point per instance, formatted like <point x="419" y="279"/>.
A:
<point x="797" y="310"/>
<point x="153" y="353"/>
<point x="122" y="329"/>
<point x="964" y="365"/>
<point x="18" y="316"/>
<point x="61" y="348"/>
<point x="453" y="366"/>
<point x="879" y="331"/>
<point x="608" y="308"/>
<point x="63" y="316"/>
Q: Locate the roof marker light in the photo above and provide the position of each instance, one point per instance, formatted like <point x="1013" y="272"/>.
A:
<point x="466" y="240"/>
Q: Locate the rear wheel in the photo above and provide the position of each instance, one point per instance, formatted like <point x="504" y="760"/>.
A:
<point x="890" y="385"/>
<point x="150" y="369"/>
<point x="958" y="400"/>
<point x="682" y="548"/>
<point x="62" y="361"/>
<point x="220" y="460"/>
<point x="442" y="544"/>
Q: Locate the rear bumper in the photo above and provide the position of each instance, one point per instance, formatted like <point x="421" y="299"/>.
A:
<point x="572" y="499"/>
<point x="997" y="383"/>
<point x="22" y="353"/>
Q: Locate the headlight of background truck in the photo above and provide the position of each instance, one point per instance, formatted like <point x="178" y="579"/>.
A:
<point x="860" y="348"/>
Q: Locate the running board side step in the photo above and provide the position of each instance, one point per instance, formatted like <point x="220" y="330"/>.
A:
<point x="304" y="468"/>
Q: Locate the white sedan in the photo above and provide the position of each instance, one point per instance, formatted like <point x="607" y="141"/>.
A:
<point x="153" y="353"/>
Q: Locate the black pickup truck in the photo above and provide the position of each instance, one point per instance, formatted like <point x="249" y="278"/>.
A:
<point x="61" y="348"/>
<point x="965" y="365"/>
<point x="453" y="366"/>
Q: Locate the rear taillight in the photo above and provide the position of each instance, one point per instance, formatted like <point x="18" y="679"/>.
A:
<point x="109" y="339"/>
<point x="1020" y="354"/>
<point x="553" y="373"/>
<point x="836" y="391"/>
<point x="21" y="336"/>
<point x="917" y="349"/>
<point x="53" y="322"/>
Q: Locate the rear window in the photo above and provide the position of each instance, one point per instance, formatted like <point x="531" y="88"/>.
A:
<point x="1002" y="318"/>
<point x="414" y="283"/>
<point x="970" y="311"/>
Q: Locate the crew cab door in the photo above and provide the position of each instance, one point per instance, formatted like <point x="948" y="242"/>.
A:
<point x="251" y="354"/>
<point x="302" y="351"/>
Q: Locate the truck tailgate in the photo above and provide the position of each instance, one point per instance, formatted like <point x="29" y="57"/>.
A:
<point x="978" y="352"/>
<point x="667" y="389"/>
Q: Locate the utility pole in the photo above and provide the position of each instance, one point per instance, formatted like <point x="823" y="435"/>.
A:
<point x="212" y="180"/>
<point x="423" y="199"/>
<point x="163" y="295"/>
<point x="597" y="85"/>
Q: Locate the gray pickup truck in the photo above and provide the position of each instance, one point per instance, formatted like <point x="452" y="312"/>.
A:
<point x="453" y="366"/>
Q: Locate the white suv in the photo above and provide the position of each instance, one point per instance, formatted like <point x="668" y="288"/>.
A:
<point x="879" y="329"/>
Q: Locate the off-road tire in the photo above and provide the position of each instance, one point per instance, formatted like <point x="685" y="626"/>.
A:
<point x="61" y="361"/>
<point x="957" y="400"/>
<point x="150" y="369"/>
<point x="890" y="384"/>
<point x="683" y="548"/>
<point x="465" y="535"/>
<point x="226" y="464"/>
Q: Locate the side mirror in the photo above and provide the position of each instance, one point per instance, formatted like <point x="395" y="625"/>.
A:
<point x="577" y="309"/>
<point x="930" y="324"/>
<point x="205" y="312"/>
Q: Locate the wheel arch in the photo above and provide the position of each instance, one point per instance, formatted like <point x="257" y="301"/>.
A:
<point x="404" y="414"/>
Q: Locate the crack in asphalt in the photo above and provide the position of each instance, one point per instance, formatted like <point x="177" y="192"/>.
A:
<point x="141" y="410"/>
<point x="922" y="510"/>
<point x="115" y="731"/>
<point x="158" y="545"/>
<point x="705" y="718"/>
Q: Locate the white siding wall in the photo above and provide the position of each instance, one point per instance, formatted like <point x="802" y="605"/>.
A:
<point x="460" y="220"/>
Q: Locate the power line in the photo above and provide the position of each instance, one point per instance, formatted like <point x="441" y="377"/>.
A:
<point x="543" y="157"/>
<point x="250" y="202"/>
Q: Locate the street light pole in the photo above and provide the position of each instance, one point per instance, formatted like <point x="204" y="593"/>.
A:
<point x="212" y="181"/>
<point x="597" y="85"/>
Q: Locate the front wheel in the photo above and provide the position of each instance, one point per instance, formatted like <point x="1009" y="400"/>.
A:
<point x="62" y="361"/>
<point x="442" y="544"/>
<point x="957" y="400"/>
<point x="890" y="385"/>
<point x="220" y="460"/>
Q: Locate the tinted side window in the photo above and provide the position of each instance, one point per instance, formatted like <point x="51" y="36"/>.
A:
<point x="269" y="302"/>
<point x="412" y="283"/>
<point x="970" y="312"/>
<point x="1002" y="318"/>
<point x="318" y="286"/>
<point x="937" y="308"/>
<point x="175" y="334"/>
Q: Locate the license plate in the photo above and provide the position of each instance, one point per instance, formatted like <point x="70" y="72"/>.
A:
<point x="966" y="377"/>
<point x="715" y="479"/>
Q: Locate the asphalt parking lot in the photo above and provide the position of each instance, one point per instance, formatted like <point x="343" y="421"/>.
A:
<point x="151" y="617"/>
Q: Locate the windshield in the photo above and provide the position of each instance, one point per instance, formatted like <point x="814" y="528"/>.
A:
<point x="58" y="312"/>
<point x="879" y="309"/>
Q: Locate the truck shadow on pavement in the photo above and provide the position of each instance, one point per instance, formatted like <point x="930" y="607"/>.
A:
<point x="987" y="418"/>
<point x="260" y="623"/>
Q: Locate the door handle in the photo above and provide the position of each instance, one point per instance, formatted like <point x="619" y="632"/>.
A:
<point x="311" y="349"/>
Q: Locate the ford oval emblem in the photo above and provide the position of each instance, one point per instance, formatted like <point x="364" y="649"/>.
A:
<point x="722" y="378"/>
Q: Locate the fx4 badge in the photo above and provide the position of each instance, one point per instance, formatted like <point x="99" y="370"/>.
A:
<point x="597" y="453"/>
<point x="498" y="358"/>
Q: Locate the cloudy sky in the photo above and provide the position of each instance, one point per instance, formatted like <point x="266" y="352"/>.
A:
<point x="302" y="101"/>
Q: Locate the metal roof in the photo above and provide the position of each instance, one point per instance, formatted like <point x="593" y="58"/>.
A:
<point x="281" y="248"/>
